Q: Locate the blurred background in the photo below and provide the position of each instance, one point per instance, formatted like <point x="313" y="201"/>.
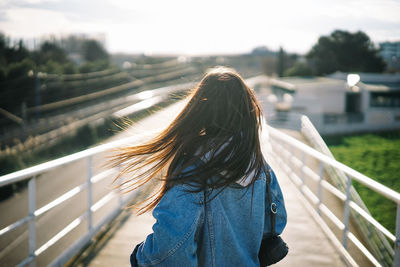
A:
<point x="52" y="51"/>
<point x="72" y="71"/>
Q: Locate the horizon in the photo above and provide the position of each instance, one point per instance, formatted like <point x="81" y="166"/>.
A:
<point x="200" y="29"/>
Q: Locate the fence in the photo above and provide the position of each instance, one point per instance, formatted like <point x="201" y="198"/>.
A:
<point x="291" y="153"/>
<point x="374" y="238"/>
<point x="31" y="175"/>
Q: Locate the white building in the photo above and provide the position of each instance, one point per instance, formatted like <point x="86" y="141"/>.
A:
<point x="371" y="103"/>
<point x="390" y="51"/>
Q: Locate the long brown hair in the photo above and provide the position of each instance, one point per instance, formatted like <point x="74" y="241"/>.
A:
<point x="215" y="135"/>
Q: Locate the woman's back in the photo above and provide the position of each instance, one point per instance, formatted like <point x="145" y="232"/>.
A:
<point x="234" y="227"/>
<point x="227" y="231"/>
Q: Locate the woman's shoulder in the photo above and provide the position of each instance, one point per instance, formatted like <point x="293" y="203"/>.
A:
<point x="183" y="192"/>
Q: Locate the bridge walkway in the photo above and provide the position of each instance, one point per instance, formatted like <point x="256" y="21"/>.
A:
<point x="308" y="245"/>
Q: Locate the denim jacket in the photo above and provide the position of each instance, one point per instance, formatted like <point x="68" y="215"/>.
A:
<point x="227" y="231"/>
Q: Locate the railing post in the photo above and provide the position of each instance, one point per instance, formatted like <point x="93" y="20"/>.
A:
<point x="291" y="154"/>
<point x="346" y="212"/>
<point x="396" y="261"/>
<point x="32" y="219"/>
<point x="286" y="148"/>
<point x="90" y="194"/>
<point x="287" y="154"/>
<point x="319" y="193"/>
<point x="303" y="163"/>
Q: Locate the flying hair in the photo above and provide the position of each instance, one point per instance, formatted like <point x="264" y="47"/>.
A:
<point x="211" y="144"/>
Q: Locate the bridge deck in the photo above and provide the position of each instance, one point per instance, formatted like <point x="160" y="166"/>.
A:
<point x="308" y="245"/>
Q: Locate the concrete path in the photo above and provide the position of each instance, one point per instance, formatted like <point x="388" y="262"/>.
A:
<point x="308" y="245"/>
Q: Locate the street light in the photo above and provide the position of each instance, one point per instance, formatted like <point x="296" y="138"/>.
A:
<point x="352" y="79"/>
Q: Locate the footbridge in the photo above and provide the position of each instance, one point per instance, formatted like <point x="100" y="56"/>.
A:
<point x="70" y="214"/>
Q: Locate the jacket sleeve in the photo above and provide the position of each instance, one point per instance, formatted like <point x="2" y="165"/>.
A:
<point x="277" y="198"/>
<point x="172" y="242"/>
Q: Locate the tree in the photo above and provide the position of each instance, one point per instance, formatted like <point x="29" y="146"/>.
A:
<point x="94" y="51"/>
<point x="262" y="50"/>
<point x="345" y="51"/>
<point x="284" y="62"/>
<point x="299" y="69"/>
<point x="51" y="52"/>
<point x="281" y="64"/>
<point x="11" y="53"/>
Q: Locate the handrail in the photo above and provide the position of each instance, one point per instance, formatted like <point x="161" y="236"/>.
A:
<point x="163" y="64"/>
<point x="374" y="237"/>
<point x="143" y="97"/>
<point x="110" y="71"/>
<point x="34" y="170"/>
<point x="78" y="76"/>
<point x="112" y="90"/>
<point x="365" y="180"/>
<point x="31" y="171"/>
<point x="56" y="84"/>
<point x="284" y="145"/>
<point x="31" y="174"/>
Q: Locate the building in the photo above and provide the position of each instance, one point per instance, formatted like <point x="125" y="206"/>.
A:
<point x="390" y="51"/>
<point x="337" y="104"/>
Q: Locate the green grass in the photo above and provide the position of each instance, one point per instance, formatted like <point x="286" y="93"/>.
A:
<point x="378" y="157"/>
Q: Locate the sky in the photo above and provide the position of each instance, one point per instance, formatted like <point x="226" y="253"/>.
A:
<point x="201" y="27"/>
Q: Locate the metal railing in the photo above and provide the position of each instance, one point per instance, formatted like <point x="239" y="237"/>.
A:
<point x="378" y="243"/>
<point x="291" y="153"/>
<point x="31" y="175"/>
<point x="57" y="127"/>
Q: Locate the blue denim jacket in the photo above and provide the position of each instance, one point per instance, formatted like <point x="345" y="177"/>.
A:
<point x="227" y="232"/>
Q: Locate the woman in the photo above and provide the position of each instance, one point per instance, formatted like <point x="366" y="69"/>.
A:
<point x="212" y="208"/>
